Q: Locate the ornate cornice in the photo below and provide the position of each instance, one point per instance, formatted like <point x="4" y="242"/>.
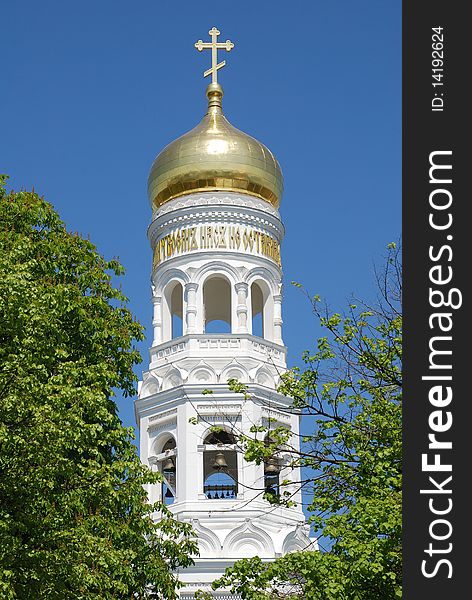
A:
<point x="216" y="199"/>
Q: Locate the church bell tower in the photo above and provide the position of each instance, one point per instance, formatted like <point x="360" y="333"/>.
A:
<point x="217" y="315"/>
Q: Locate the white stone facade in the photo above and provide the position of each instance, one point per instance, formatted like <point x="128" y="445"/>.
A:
<point x="217" y="260"/>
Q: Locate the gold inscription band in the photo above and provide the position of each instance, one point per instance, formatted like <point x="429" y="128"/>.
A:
<point x="216" y="237"/>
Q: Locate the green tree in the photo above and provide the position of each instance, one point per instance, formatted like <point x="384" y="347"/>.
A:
<point x="74" y="517"/>
<point x="350" y="390"/>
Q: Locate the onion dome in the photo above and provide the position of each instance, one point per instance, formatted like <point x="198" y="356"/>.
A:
<point x="215" y="156"/>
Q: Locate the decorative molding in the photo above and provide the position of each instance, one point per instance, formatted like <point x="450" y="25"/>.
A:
<point x="220" y="406"/>
<point x="202" y="369"/>
<point x="149" y="387"/>
<point x="163" y="416"/>
<point x="271" y="413"/>
<point x="211" y="543"/>
<point x="220" y="343"/>
<point x="161" y="426"/>
<point x="264" y="348"/>
<point x="216" y="199"/>
<point x="222" y="216"/>
<point x="239" y="541"/>
<point x="223" y="418"/>
<point x="298" y="540"/>
<point x="172" y="349"/>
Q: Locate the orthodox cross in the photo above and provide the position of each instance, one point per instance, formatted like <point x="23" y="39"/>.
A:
<point x="214" y="45"/>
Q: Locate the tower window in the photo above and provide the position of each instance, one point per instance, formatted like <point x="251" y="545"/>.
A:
<point x="217" y="305"/>
<point x="220" y="467"/>
<point x="271" y="477"/>
<point x="168" y="469"/>
<point x="271" y="470"/>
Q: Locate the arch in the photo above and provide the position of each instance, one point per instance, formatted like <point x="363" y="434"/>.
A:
<point x="262" y="309"/>
<point x="165" y="446"/>
<point x="298" y="540"/>
<point x="217" y="304"/>
<point x="266" y="275"/>
<point x="202" y="373"/>
<point x="264" y="377"/>
<point x="177" y="310"/>
<point x="248" y="540"/>
<point x="257" y="310"/>
<point x="216" y="267"/>
<point x="234" y="371"/>
<point x="172" y="310"/>
<point x="208" y="542"/>
<point x="161" y="440"/>
<point x="172" y="378"/>
<point x="166" y="276"/>
<point x="150" y="386"/>
<point x="219" y="436"/>
<point x="170" y="444"/>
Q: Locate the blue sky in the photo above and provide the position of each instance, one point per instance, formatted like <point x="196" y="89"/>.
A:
<point x="92" y="91"/>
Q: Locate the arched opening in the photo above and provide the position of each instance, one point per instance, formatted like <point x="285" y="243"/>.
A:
<point x="217" y="305"/>
<point x="262" y="310"/>
<point x="172" y="315"/>
<point x="272" y="470"/>
<point x="272" y="477"/>
<point x="257" y="310"/>
<point x="220" y="466"/>
<point x="168" y="468"/>
<point x="176" y="310"/>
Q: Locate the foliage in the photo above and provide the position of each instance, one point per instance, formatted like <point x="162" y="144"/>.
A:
<point x="74" y="518"/>
<point x="350" y="389"/>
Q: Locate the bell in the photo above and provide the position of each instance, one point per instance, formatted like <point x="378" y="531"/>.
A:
<point x="168" y="493"/>
<point x="272" y="466"/>
<point x="168" y="465"/>
<point x="220" y="462"/>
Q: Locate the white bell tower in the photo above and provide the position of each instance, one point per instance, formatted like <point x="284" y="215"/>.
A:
<point x="217" y="315"/>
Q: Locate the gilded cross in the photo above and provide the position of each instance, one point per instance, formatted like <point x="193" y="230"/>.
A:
<point x="214" y="46"/>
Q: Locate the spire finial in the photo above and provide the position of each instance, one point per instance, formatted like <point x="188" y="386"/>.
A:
<point x="214" y="46"/>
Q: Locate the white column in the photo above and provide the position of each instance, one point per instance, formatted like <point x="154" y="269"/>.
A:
<point x="241" y="308"/>
<point x="154" y="490"/>
<point x="157" y="319"/>
<point x="191" y="308"/>
<point x="278" y="319"/>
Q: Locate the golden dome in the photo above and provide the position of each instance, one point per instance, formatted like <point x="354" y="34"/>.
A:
<point x="215" y="156"/>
